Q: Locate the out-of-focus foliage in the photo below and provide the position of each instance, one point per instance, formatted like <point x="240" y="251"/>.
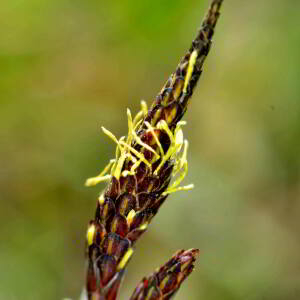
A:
<point x="68" y="67"/>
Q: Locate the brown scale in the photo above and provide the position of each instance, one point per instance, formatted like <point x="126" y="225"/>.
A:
<point x="105" y="211"/>
<point x="143" y="191"/>
<point x="107" y="266"/>
<point x="125" y="203"/>
<point x="128" y="184"/>
<point x="113" y="244"/>
<point x="119" y="225"/>
<point x="134" y="234"/>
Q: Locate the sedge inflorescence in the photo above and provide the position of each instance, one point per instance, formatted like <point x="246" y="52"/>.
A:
<point x="125" y="151"/>
<point x="150" y="163"/>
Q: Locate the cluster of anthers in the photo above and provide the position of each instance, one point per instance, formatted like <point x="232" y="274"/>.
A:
<point x="124" y="151"/>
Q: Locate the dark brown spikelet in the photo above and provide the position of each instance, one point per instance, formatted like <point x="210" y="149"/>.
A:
<point x="139" y="181"/>
<point x="171" y="103"/>
<point x="165" y="282"/>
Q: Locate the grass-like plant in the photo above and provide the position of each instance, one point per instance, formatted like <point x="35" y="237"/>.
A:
<point x="150" y="163"/>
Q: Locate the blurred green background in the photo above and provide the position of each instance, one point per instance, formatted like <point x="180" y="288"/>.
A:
<point x="68" y="67"/>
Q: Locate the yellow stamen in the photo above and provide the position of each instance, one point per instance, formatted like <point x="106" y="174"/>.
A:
<point x="130" y="127"/>
<point x="101" y="199"/>
<point x="181" y="163"/>
<point x="100" y="178"/>
<point x="180" y="188"/>
<point x="192" y="62"/>
<point x="143" y="226"/>
<point x="144" y="107"/>
<point x="130" y="216"/>
<point x="142" y="113"/>
<point x="125" y="259"/>
<point x="95" y="180"/>
<point x="111" y="135"/>
<point x="90" y="234"/>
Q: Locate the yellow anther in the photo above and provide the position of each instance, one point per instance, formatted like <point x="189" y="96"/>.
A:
<point x="181" y="123"/>
<point x="125" y="259"/>
<point x="117" y="167"/>
<point x="90" y="234"/>
<point x="178" y="133"/>
<point x="192" y="62"/>
<point x="142" y="113"/>
<point x="118" y="153"/>
<point x="182" y="161"/>
<point x="95" y="180"/>
<point x="156" y="117"/>
<point x="130" y="216"/>
<point x="130" y="127"/>
<point x="137" y="124"/>
<point x="111" y="135"/>
<point x="179" y="139"/>
<point x="181" y="164"/>
<point x="138" y="118"/>
<point x="180" y="188"/>
<point x="144" y="107"/>
<point x="101" y="199"/>
<point x="101" y="177"/>
<point x="122" y="156"/>
<point x="126" y="173"/>
<point x="143" y="226"/>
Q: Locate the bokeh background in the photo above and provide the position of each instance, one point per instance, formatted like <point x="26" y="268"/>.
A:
<point x="67" y="67"/>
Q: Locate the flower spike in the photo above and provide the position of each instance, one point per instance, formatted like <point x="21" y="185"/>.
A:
<point x="165" y="282"/>
<point x="139" y="181"/>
